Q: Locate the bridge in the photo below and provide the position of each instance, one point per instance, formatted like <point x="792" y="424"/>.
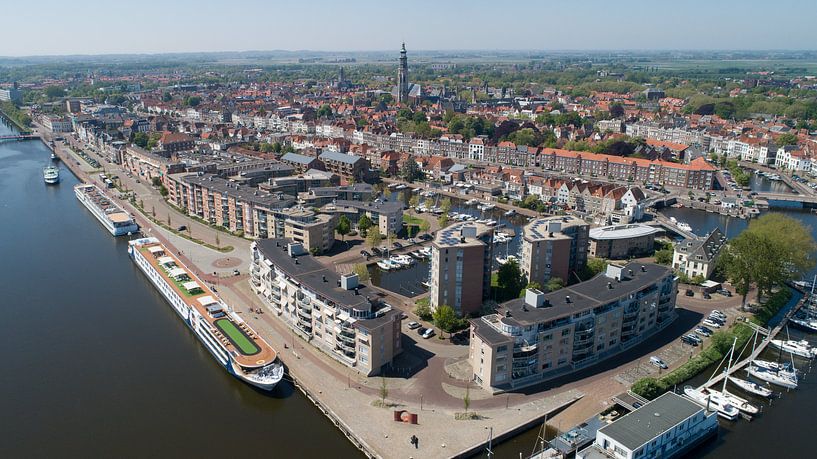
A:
<point x="660" y="220"/>
<point x="18" y="137"/>
<point x="807" y="200"/>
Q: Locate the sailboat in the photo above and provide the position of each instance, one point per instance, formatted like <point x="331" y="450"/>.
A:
<point x="751" y="387"/>
<point x="712" y="401"/>
<point x="740" y="403"/>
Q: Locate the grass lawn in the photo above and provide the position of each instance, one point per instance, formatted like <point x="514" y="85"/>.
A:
<point x="238" y="337"/>
<point x="412" y="220"/>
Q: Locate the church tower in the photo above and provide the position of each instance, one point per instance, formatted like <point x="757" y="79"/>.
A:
<point x="402" y="77"/>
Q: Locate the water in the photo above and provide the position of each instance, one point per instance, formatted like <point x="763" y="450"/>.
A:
<point x="761" y="184"/>
<point x="95" y="362"/>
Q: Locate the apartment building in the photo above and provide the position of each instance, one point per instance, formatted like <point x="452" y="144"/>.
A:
<point x="545" y="335"/>
<point x="554" y="247"/>
<point x="175" y="141"/>
<point x="668" y="427"/>
<point x="334" y="313"/>
<point x="698" y="257"/>
<point x="347" y="166"/>
<point x="388" y="216"/>
<point x="316" y="232"/>
<point x="320" y="196"/>
<point x="622" y="241"/>
<point x="302" y="163"/>
<point x="229" y="205"/>
<point x="461" y="260"/>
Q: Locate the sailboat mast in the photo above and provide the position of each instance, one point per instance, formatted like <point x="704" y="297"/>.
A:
<point x="729" y="364"/>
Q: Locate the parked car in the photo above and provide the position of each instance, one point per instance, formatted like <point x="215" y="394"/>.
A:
<point x="689" y="292"/>
<point x="706" y="330"/>
<point x="428" y="333"/>
<point x="658" y="362"/>
<point x="181" y="228"/>
<point x="694" y="338"/>
<point x="703" y="331"/>
<point x="715" y="312"/>
<point x="403" y="315"/>
<point x="707" y="296"/>
<point x="685" y="339"/>
<point x="411" y="241"/>
<point x="717" y="318"/>
<point x="397" y="245"/>
<point x="425" y="237"/>
<point x="413" y="325"/>
<point x="725" y="292"/>
<point x="365" y="253"/>
<point x="376" y="251"/>
<point x="712" y="324"/>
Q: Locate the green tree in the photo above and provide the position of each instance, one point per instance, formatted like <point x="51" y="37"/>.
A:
<point x="466" y="399"/>
<point x="363" y="224"/>
<point x="411" y="170"/>
<point x="325" y="111"/>
<point x="648" y="388"/>
<point x="192" y="101"/>
<point x="445" y="318"/>
<point x="140" y="139"/>
<point x="54" y="92"/>
<point x="343" y="227"/>
<point x="425" y="226"/>
<point x="384" y="391"/>
<point x="664" y="256"/>
<point x="445" y="205"/>
<point x="422" y="310"/>
<point x="362" y="272"/>
<point x="509" y="277"/>
<point x="555" y="283"/>
<point x="414" y="201"/>
<point x="443" y="220"/>
<point x="787" y="138"/>
<point x="772" y="250"/>
<point x="373" y="238"/>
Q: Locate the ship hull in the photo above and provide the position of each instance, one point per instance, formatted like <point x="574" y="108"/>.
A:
<point x="114" y="230"/>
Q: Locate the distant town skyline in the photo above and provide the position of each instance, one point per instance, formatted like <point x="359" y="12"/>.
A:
<point x="153" y="27"/>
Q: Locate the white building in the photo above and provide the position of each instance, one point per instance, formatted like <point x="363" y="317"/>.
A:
<point x="668" y="427"/>
<point x="791" y="158"/>
<point x="698" y="257"/>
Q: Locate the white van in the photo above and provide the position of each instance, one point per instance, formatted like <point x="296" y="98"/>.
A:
<point x="658" y="362"/>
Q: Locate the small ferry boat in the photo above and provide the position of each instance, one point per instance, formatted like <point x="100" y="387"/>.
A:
<point x="233" y="343"/>
<point x="110" y="214"/>
<point x="51" y="174"/>
<point x="712" y="402"/>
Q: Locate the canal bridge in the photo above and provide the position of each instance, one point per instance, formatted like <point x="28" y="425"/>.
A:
<point x="18" y="137"/>
<point x="808" y="201"/>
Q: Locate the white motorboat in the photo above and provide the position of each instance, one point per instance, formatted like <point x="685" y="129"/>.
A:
<point x="684" y="226"/>
<point x="384" y="265"/>
<point x="471" y="202"/>
<point x="782" y="379"/>
<point x="800" y="348"/>
<point x="739" y="403"/>
<point x="504" y="260"/>
<point x="510" y="213"/>
<point x="402" y="260"/>
<point x="809" y="325"/>
<point x="712" y="402"/>
<point x="751" y="387"/>
<point x="51" y="174"/>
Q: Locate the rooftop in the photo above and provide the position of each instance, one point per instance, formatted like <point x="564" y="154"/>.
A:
<point x="252" y="195"/>
<point x="622" y="231"/>
<point x="651" y="420"/>
<point x="461" y="235"/>
<point x="298" y="158"/>
<point x="550" y="227"/>
<point x="340" y="157"/>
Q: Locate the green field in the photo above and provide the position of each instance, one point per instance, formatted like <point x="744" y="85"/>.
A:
<point x="244" y="344"/>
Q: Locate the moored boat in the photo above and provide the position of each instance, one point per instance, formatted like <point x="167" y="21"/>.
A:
<point x="230" y="340"/>
<point x="712" y="402"/>
<point x="51" y="174"/>
<point x="800" y="348"/>
<point x="751" y="387"/>
<point x="739" y="403"/>
<point x="782" y="379"/>
<point x="111" y="215"/>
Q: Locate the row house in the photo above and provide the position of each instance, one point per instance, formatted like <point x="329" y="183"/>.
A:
<point x="793" y="158"/>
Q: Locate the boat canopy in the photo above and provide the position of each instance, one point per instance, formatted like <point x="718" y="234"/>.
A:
<point x="177" y="272"/>
<point x="157" y="250"/>
<point x="191" y="285"/>
<point x="165" y="260"/>
<point x="207" y="300"/>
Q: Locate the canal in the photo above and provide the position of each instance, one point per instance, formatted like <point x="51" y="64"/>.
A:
<point x="95" y="362"/>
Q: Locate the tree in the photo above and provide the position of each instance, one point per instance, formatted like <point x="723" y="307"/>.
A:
<point x="616" y="111"/>
<point x="445" y="205"/>
<point x="414" y="201"/>
<point x="443" y="220"/>
<point x="787" y="138"/>
<point x="411" y="170"/>
<point x="509" y="277"/>
<point x="423" y="311"/>
<point x="554" y="283"/>
<point x="466" y="399"/>
<point x="772" y="250"/>
<point x="140" y="139"/>
<point x="648" y="388"/>
<point x="54" y="92"/>
<point x="363" y="224"/>
<point x="362" y="272"/>
<point x="192" y="101"/>
<point x="664" y="256"/>
<point x="343" y="227"/>
<point x="425" y="226"/>
<point x="325" y="111"/>
<point x="445" y="318"/>
<point x="384" y="390"/>
<point x="374" y="237"/>
<point x="218" y="240"/>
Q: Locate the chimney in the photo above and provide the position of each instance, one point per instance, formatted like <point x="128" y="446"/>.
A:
<point x="567" y="298"/>
<point x="324" y="278"/>
<point x="609" y="285"/>
<point x="643" y="269"/>
<point x="534" y="297"/>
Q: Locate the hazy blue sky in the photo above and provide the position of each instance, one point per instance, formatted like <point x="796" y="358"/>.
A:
<point x="150" y="26"/>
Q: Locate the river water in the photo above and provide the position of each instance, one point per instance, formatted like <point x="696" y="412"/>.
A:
<point x="95" y="362"/>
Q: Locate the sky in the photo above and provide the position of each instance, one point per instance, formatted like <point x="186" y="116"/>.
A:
<point x="58" y="27"/>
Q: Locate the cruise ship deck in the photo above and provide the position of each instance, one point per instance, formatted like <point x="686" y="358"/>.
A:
<point x="114" y="213"/>
<point x="244" y="345"/>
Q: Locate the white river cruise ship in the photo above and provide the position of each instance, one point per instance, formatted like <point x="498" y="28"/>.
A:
<point x="231" y="341"/>
<point x="112" y="217"/>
